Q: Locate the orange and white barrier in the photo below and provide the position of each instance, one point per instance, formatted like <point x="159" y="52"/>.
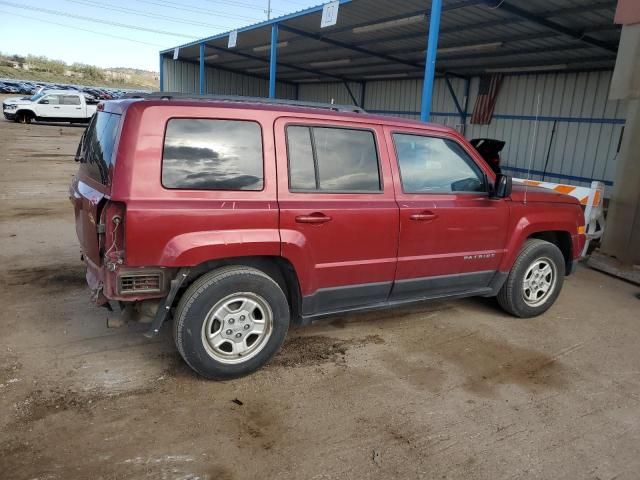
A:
<point x="591" y="198"/>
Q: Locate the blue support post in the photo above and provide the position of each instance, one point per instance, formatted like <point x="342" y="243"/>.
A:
<point x="430" y="62"/>
<point x="202" y="69"/>
<point x="161" y="74"/>
<point x="273" y="60"/>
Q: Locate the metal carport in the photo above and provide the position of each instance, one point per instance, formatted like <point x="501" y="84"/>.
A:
<point x="376" y="39"/>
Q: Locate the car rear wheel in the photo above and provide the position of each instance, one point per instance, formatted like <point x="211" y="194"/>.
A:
<point x="535" y="280"/>
<point x="230" y="322"/>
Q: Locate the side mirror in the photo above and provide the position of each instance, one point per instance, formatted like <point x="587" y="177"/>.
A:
<point x="44" y="102"/>
<point x="502" y="186"/>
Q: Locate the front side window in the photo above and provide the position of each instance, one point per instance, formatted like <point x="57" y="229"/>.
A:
<point x="332" y="159"/>
<point x="204" y="154"/>
<point x="435" y="165"/>
<point x="51" y="100"/>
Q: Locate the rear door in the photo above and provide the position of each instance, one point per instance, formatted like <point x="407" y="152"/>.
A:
<point x="96" y="154"/>
<point x="452" y="234"/>
<point x="338" y="216"/>
<point x="71" y="107"/>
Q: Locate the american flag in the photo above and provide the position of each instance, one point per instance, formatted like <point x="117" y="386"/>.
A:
<point x="486" y="99"/>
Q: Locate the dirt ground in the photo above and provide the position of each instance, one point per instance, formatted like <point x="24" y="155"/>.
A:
<point x="453" y="389"/>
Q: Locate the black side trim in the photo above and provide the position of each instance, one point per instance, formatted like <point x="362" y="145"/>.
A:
<point x="496" y="283"/>
<point x="375" y="296"/>
<point x="338" y="298"/>
<point x="481" y="292"/>
<point x="441" y="285"/>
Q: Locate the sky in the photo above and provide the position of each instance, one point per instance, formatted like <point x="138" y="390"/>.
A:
<point x="85" y="31"/>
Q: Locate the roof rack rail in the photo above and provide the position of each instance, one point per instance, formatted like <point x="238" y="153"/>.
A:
<point x="238" y="98"/>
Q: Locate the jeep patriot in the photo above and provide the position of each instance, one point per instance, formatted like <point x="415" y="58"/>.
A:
<point x="240" y="218"/>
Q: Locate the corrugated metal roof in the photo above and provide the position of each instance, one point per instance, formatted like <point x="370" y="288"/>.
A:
<point x="475" y="36"/>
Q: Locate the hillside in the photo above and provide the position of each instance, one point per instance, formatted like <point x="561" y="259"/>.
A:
<point x="37" y="68"/>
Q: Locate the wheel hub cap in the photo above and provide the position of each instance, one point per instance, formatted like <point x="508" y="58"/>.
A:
<point x="237" y="327"/>
<point x="539" y="282"/>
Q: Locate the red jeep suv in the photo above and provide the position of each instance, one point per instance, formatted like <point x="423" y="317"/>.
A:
<point x="242" y="217"/>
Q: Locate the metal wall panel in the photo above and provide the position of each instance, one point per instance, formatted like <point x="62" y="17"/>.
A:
<point x="335" y="92"/>
<point x="405" y="96"/>
<point x="576" y="136"/>
<point x="184" y="77"/>
<point x="587" y="125"/>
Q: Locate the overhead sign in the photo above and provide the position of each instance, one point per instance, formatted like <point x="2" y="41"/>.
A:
<point x="233" y="39"/>
<point x="176" y="52"/>
<point x="330" y="14"/>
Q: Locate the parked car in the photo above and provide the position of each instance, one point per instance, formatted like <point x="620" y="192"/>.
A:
<point x="245" y="218"/>
<point x="8" y="88"/>
<point x="51" y="106"/>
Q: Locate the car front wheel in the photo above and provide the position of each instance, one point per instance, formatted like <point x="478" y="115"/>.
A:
<point x="23" y="117"/>
<point x="230" y="322"/>
<point x="535" y="280"/>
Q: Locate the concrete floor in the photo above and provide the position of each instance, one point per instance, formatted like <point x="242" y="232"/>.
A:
<point x="453" y="389"/>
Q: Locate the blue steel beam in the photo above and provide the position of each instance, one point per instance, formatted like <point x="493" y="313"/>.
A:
<point x="202" y="69"/>
<point x="273" y="66"/>
<point x="430" y="62"/>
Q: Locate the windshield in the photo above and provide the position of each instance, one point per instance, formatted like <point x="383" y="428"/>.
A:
<point x="37" y="97"/>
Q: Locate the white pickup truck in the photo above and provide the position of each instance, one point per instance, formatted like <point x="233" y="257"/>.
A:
<point x="50" y="106"/>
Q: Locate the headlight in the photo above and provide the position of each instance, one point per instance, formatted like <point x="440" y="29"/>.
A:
<point x="10" y="107"/>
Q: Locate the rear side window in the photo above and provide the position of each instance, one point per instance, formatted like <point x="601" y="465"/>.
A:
<point x="98" y="145"/>
<point x="332" y="160"/>
<point x="203" y="154"/>
<point x="70" y="100"/>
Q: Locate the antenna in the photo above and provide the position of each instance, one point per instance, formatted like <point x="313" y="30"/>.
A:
<point x="533" y="143"/>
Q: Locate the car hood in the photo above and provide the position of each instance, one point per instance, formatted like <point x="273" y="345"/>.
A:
<point x="17" y="101"/>
<point x="539" y="194"/>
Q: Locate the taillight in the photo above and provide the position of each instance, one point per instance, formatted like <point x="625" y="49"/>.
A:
<point x="113" y="219"/>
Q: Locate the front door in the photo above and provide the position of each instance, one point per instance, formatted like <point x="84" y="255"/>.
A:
<point x="452" y="234"/>
<point x="338" y="216"/>
<point x="49" y="107"/>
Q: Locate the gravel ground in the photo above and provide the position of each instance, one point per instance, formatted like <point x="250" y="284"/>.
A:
<point x="452" y="389"/>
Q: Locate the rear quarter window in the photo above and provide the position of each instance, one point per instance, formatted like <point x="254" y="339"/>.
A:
<point x="207" y="154"/>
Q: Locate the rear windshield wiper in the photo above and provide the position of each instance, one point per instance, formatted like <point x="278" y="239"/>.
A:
<point x="79" y="152"/>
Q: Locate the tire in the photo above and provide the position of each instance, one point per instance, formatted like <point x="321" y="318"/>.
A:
<point x="23" y="117"/>
<point x="230" y="322"/>
<point x="523" y="293"/>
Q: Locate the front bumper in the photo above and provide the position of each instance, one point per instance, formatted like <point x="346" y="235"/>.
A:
<point x="9" y="115"/>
